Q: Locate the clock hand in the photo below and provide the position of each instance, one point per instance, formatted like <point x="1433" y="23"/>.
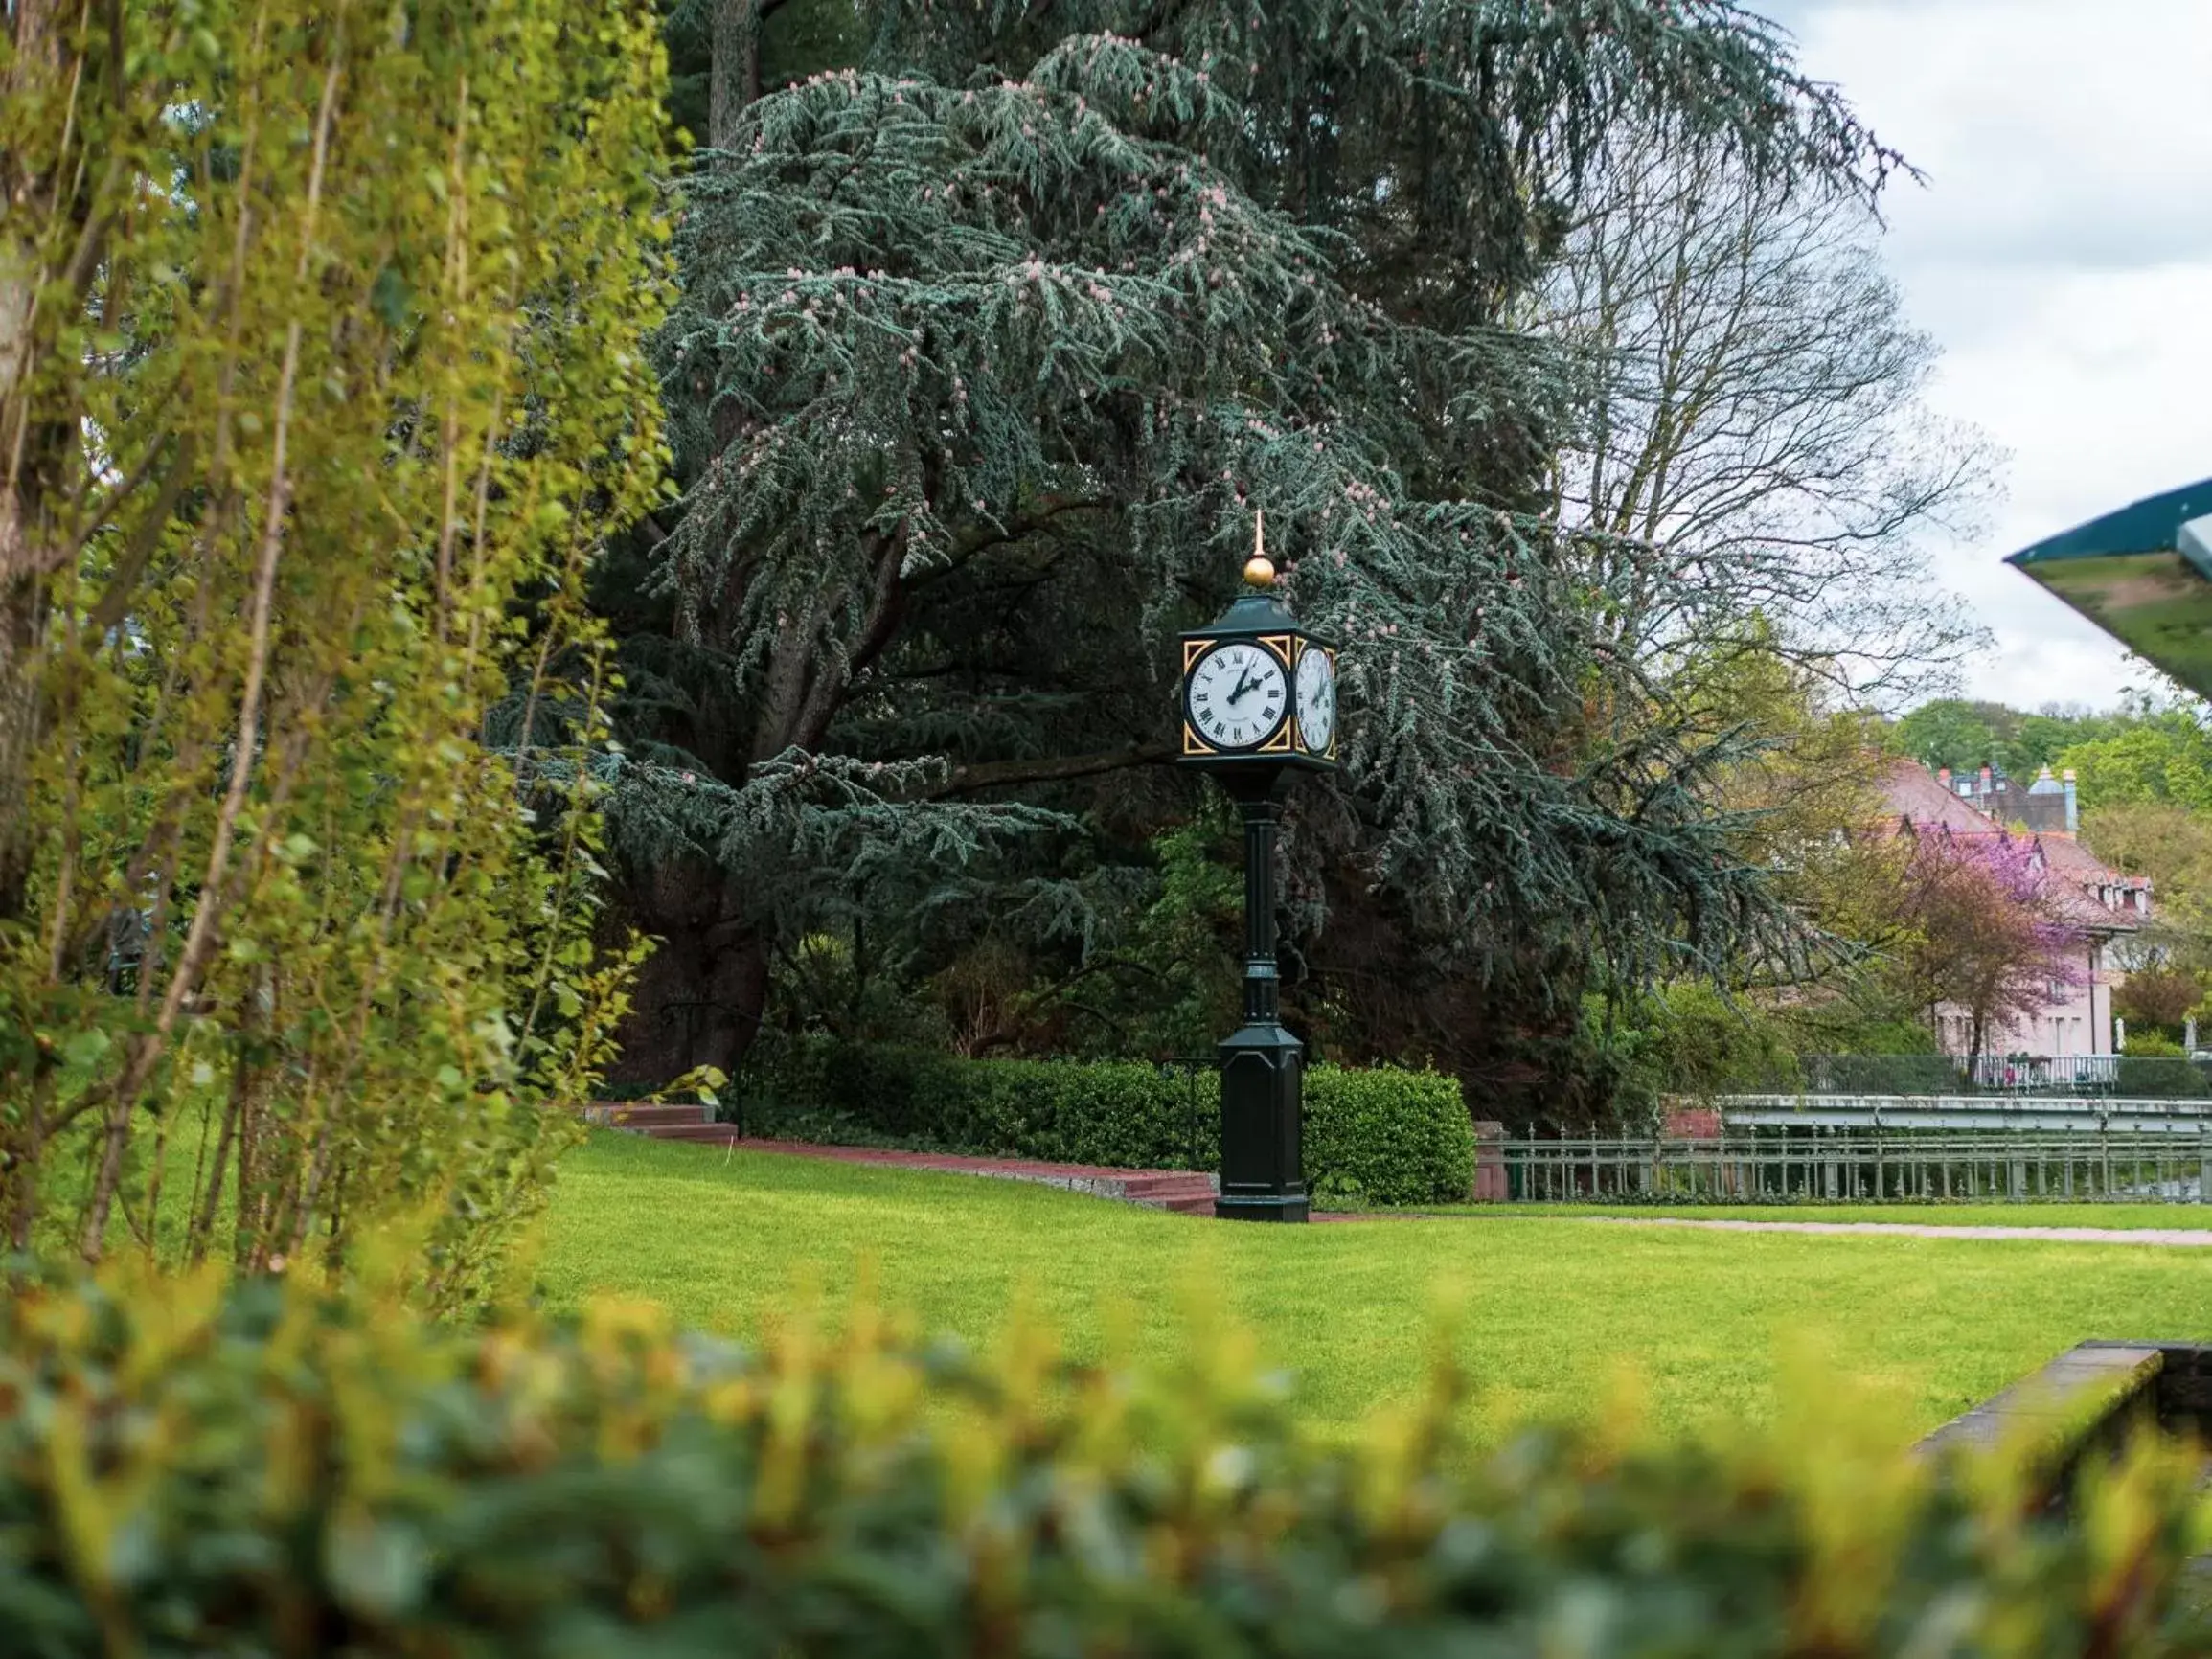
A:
<point x="1244" y="683"/>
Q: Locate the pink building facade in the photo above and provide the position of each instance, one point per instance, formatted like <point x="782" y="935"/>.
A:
<point x="2108" y="906"/>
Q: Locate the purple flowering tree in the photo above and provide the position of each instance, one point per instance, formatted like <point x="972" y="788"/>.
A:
<point x="1993" y="933"/>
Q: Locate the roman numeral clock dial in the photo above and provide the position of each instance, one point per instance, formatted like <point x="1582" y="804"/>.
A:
<point x="1238" y="695"/>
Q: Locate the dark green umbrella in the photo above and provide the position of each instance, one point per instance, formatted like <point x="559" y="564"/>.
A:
<point x="2144" y="575"/>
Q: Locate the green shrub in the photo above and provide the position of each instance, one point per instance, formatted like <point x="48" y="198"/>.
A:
<point x="287" y="1472"/>
<point x="2148" y="1074"/>
<point x="1387" y="1137"/>
<point x="1383" y="1136"/>
<point x="1885" y="1073"/>
<point x="326" y="808"/>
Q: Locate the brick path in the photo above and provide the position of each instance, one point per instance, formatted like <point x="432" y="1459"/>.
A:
<point x="2183" y="1236"/>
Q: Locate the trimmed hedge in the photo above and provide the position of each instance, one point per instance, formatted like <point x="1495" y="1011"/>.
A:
<point x="1382" y="1136"/>
<point x="2162" y="1077"/>
<point x="293" y="1473"/>
<point x="1386" y="1136"/>
<point x="1883" y="1074"/>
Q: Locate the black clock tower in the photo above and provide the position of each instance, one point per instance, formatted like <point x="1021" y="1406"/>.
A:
<point x="1259" y="704"/>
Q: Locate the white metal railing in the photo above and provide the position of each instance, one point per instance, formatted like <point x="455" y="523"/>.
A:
<point x="1992" y="1167"/>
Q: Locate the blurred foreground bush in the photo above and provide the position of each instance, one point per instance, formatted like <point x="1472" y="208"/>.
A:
<point x="274" y="1471"/>
<point x="1379" y="1135"/>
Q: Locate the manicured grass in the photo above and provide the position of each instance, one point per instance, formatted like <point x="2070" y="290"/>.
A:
<point x="1547" y="1308"/>
<point x="2190" y="1218"/>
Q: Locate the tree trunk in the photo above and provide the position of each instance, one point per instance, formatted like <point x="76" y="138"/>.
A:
<point x="736" y="79"/>
<point x="20" y="605"/>
<point x="701" y="997"/>
<point x="31" y="447"/>
<point x="737" y="981"/>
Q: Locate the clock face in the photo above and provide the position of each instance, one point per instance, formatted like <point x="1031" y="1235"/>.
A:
<point x="1237" y="694"/>
<point x="1316" y="699"/>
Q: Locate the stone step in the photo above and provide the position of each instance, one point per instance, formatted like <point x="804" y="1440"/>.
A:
<point x="1143" y="1183"/>
<point x="1145" y="1188"/>
<point x="1185" y="1204"/>
<point x="625" y="1115"/>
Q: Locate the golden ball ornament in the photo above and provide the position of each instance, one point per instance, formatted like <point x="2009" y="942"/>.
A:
<point x="1260" y="570"/>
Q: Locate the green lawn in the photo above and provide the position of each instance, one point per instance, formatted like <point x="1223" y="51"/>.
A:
<point x="1547" y="1308"/>
<point x="2192" y="1218"/>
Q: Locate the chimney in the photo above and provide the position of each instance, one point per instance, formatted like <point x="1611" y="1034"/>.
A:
<point x="1986" y="785"/>
<point x="2073" y="805"/>
<point x="1942" y="776"/>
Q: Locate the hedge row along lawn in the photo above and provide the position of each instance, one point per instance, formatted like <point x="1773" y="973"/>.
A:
<point x="1374" y="1135"/>
<point x="1547" y="1309"/>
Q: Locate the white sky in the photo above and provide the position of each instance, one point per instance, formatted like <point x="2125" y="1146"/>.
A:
<point x="2060" y="252"/>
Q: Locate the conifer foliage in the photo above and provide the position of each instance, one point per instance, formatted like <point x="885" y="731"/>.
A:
<point x="989" y="349"/>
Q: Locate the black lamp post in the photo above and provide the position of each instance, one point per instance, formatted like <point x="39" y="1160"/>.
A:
<point x="1259" y="703"/>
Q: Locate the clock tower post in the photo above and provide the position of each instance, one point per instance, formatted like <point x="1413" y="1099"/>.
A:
<point x="1259" y="704"/>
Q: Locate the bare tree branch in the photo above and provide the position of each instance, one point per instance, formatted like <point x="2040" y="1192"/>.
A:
<point x="1758" y="426"/>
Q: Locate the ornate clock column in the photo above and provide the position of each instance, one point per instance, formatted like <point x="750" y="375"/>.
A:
<point x="1259" y="704"/>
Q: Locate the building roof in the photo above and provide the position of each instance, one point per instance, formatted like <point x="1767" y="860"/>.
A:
<point x="1910" y="791"/>
<point x="2098" y="897"/>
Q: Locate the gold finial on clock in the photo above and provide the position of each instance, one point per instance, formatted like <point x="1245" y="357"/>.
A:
<point x="1259" y="569"/>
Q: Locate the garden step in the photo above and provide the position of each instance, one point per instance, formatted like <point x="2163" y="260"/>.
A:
<point x="625" y="1115"/>
<point x="714" y="1134"/>
<point x="1143" y="1187"/>
<point x="1187" y="1203"/>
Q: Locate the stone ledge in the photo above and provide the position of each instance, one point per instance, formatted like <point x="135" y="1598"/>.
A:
<point x="2056" y="1414"/>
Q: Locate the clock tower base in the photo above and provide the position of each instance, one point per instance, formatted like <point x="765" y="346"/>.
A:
<point x="1263" y="1065"/>
<point x="1263" y="1172"/>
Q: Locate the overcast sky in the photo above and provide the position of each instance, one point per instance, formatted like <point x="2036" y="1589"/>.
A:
<point x="2060" y="252"/>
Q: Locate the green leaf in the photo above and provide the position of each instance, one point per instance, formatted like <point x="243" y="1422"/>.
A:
<point x="390" y="296"/>
<point x="375" y="1567"/>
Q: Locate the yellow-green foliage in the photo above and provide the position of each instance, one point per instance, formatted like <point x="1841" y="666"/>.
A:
<point x="300" y="1471"/>
<point x="331" y="383"/>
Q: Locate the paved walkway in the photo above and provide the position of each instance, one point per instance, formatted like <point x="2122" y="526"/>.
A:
<point x="2185" y="1236"/>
